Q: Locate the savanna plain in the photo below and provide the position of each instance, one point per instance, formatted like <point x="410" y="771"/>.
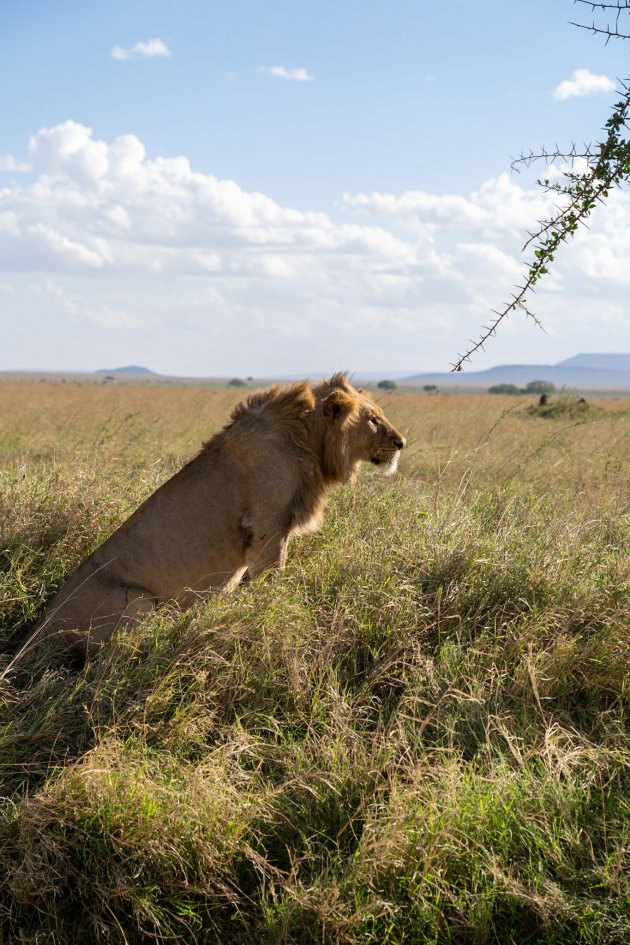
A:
<point x="417" y="733"/>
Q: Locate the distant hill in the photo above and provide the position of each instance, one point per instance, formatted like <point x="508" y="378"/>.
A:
<point x="583" y="371"/>
<point x="130" y="369"/>
<point x="610" y="362"/>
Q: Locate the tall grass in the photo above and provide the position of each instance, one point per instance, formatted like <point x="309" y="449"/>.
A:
<point x="417" y="733"/>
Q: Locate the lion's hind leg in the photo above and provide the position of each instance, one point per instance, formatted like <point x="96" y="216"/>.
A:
<point x="119" y="606"/>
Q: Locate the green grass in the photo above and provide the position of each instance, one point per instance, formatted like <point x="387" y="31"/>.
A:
<point x="418" y="733"/>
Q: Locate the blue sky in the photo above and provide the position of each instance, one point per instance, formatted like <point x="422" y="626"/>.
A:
<point x="256" y="188"/>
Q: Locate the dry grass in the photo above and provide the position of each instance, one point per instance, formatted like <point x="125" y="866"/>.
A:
<point x="417" y="733"/>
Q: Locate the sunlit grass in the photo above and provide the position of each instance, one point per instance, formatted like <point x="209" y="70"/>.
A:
<point x="417" y="733"/>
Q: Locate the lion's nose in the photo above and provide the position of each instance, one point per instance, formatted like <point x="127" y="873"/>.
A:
<point x="399" y="442"/>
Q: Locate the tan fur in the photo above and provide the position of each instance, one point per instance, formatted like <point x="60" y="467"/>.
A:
<point x="229" y="511"/>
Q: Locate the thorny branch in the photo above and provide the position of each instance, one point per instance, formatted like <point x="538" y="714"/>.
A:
<point x="608" y="165"/>
<point x="610" y="32"/>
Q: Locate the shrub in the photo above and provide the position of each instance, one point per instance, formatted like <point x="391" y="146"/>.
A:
<point x="540" y="387"/>
<point x="503" y="389"/>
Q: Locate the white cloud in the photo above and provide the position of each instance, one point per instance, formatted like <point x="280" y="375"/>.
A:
<point x="107" y="206"/>
<point x="417" y="206"/>
<point x="141" y="50"/>
<point x="499" y="206"/>
<point x="132" y="239"/>
<point x="604" y="252"/>
<point x="289" y="75"/>
<point x="70" y="149"/>
<point x="56" y="245"/>
<point x="108" y="316"/>
<point x="8" y="163"/>
<point x="488" y="262"/>
<point x="582" y="82"/>
<point x="9" y="222"/>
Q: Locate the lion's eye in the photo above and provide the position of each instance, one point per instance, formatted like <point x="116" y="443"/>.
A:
<point x="374" y="423"/>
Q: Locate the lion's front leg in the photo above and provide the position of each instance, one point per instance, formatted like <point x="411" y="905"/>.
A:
<point x="266" y="552"/>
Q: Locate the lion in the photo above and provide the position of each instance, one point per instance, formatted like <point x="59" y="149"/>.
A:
<point x="230" y="511"/>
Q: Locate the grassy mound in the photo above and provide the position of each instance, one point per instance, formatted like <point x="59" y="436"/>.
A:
<point x="565" y="407"/>
<point x="417" y="733"/>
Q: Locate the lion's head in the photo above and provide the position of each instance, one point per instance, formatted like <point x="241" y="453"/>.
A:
<point x="357" y="431"/>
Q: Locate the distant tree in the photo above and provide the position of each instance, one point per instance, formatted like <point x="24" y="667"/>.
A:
<point x="387" y="385"/>
<point x="430" y="388"/>
<point x="540" y="387"/>
<point x="237" y="382"/>
<point x="504" y="389"/>
<point x="592" y="174"/>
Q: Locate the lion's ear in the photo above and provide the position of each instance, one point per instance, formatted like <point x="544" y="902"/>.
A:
<point x="337" y="405"/>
